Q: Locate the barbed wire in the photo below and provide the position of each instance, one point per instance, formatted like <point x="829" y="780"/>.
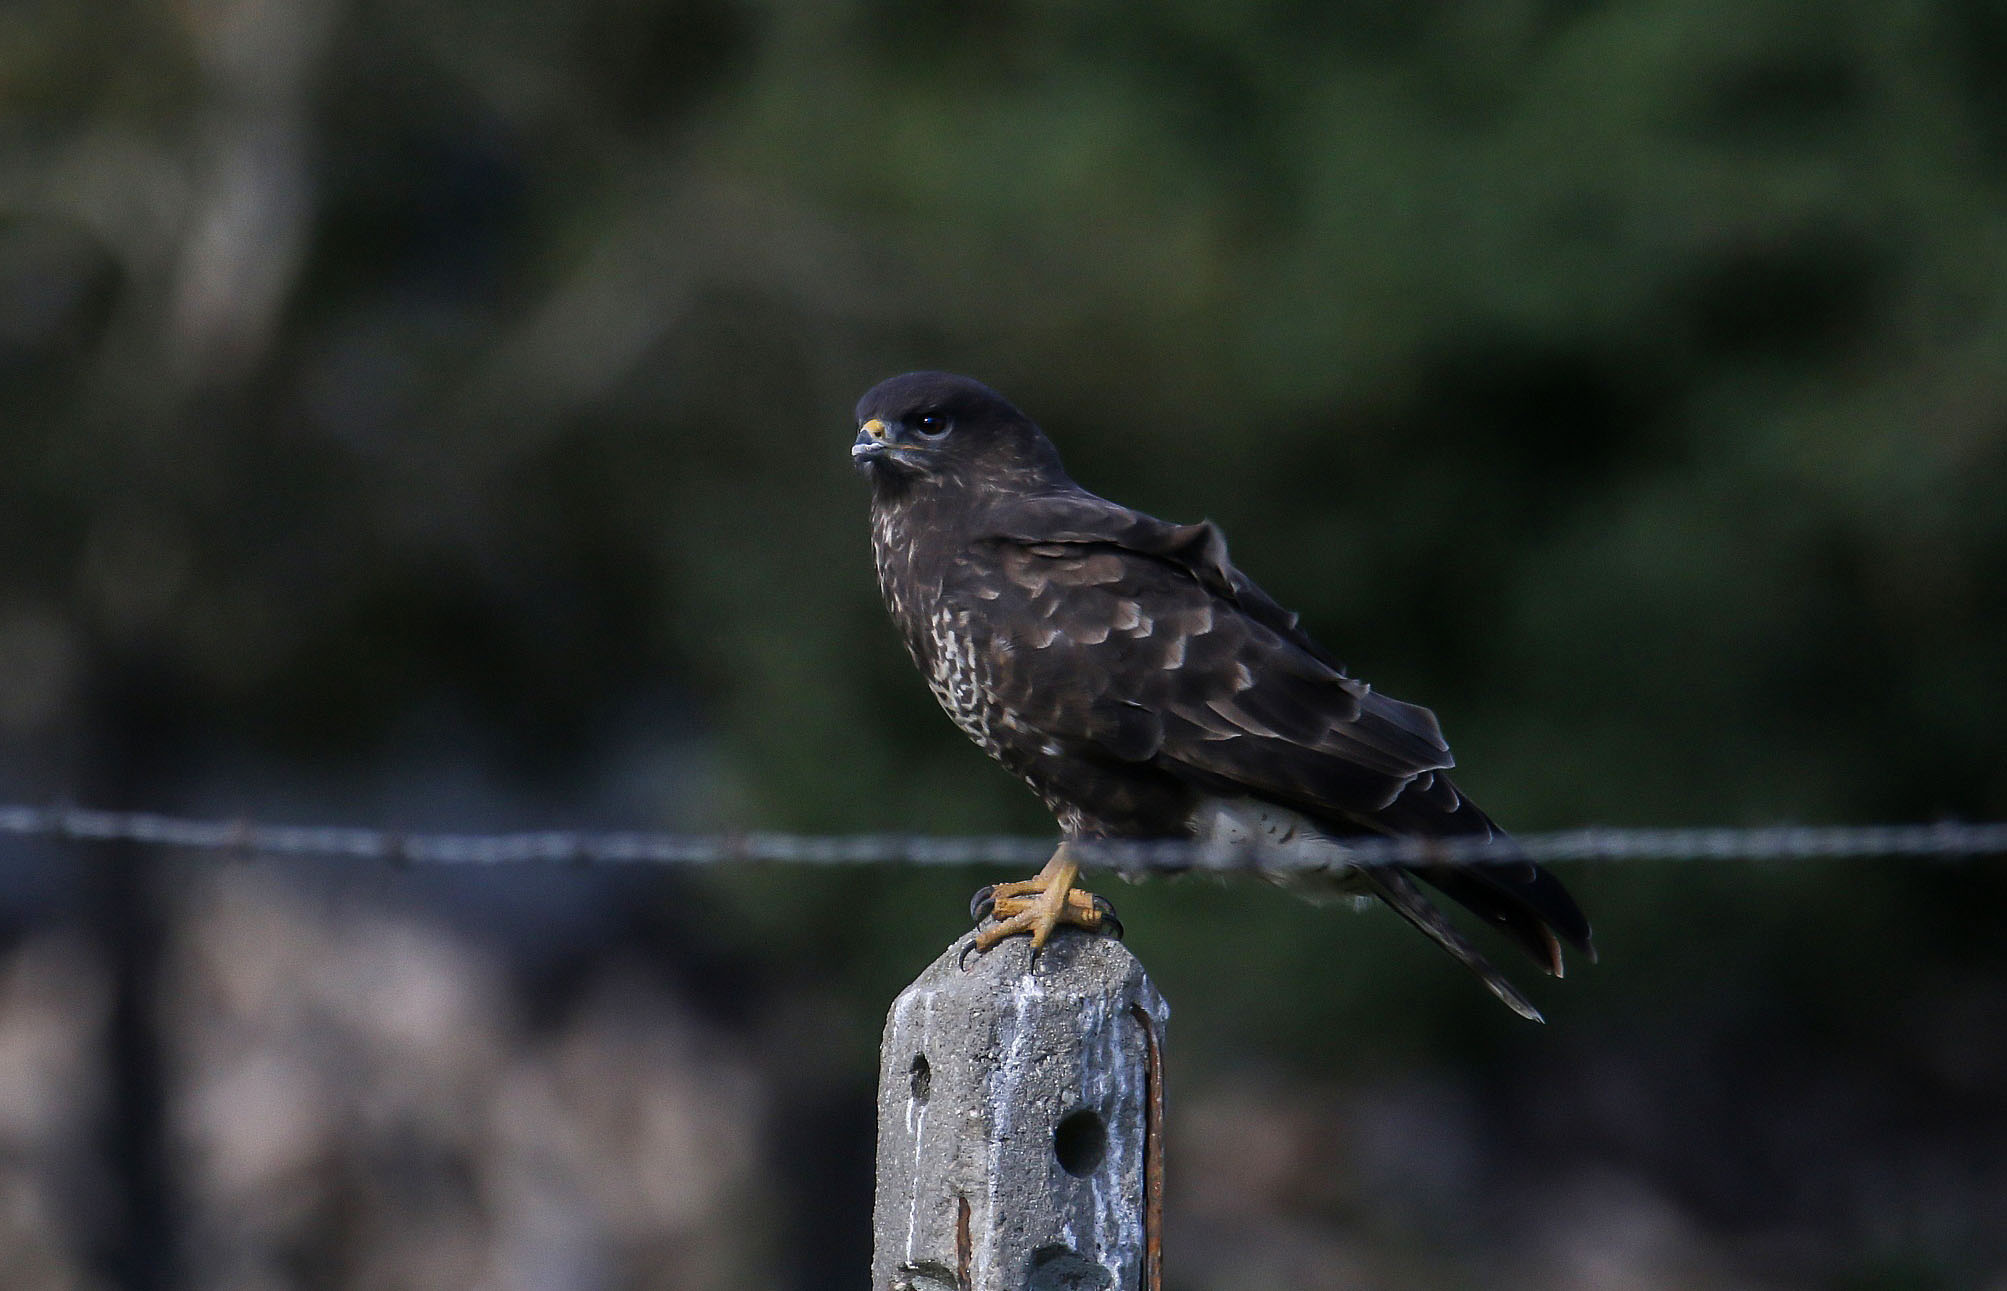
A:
<point x="1944" y="840"/>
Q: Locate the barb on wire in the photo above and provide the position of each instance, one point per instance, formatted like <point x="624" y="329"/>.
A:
<point x="1944" y="840"/>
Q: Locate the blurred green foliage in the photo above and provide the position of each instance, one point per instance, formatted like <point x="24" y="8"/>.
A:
<point x="1622" y="379"/>
<point x="1625" y="380"/>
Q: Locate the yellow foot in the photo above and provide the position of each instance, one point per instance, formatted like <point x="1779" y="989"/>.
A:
<point x="1039" y="905"/>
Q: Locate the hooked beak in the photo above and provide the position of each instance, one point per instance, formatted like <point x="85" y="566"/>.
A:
<point x="875" y="446"/>
<point x="872" y="443"/>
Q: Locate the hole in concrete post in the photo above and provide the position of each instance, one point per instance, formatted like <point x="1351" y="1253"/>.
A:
<point x="1080" y="1141"/>
<point x="924" y="1277"/>
<point x="923" y="1078"/>
<point x="1056" y="1268"/>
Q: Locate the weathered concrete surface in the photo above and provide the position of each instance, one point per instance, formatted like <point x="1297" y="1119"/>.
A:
<point x="1012" y="1114"/>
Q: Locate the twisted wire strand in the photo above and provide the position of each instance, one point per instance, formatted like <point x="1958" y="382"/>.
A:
<point x="1944" y="840"/>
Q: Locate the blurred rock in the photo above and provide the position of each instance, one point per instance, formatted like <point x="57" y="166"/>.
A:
<point x="1605" y="1231"/>
<point x="361" y="1090"/>
<point x="53" y="999"/>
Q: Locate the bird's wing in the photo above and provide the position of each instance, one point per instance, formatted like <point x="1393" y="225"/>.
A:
<point x="1125" y="622"/>
<point x="1138" y="640"/>
<point x="1200" y="550"/>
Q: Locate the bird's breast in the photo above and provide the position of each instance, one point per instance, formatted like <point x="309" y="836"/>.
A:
<point x="958" y="672"/>
<point x="943" y="638"/>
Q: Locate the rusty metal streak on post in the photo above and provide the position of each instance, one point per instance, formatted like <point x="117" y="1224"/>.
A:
<point x="1020" y="1123"/>
<point x="965" y="1246"/>
<point x="1153" y="1152"/>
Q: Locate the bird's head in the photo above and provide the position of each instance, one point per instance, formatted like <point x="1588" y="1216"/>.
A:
<point x="941" y="428"/>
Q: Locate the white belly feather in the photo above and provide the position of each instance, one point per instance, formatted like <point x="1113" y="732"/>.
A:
<point x="1314" y="862"/>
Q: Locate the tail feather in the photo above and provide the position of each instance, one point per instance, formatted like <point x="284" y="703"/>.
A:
<point x="1521" y="900"/>
<point x="1542" y="895"/>
<point x="1512" y="894"/>
<point x="1399" y="890"/>
<point x="1510" y="917"/>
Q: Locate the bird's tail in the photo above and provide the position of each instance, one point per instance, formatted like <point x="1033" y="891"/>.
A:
<point x="1521" y="900"/>
<point x="1517" y="897"/>
<point x="1400" y="891"/>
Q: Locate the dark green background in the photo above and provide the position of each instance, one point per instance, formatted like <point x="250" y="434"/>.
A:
<point x="392" y="386"/>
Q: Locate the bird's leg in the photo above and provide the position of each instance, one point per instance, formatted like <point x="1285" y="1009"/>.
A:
<point x="1038" y="905"/>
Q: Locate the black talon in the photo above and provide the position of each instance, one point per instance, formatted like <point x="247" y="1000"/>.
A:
<point x="1109" y="923"/>
<point x="983" y="904"/>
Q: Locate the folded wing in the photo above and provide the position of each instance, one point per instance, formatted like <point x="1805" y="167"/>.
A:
<point x="1139" y="641"/>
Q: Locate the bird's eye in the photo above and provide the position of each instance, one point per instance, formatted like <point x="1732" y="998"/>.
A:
<point x="931" y="426"/>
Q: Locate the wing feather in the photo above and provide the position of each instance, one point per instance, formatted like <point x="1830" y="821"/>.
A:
<point x="1244" y="696"/>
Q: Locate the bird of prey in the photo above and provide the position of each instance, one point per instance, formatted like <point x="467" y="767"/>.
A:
<point x="1147" y="689"/>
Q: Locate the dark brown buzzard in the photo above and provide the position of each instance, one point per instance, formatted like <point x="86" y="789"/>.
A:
<point x="1145" y="688"/>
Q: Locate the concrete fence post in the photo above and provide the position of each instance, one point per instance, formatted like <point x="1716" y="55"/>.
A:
<point x="1020" y="1123"/>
